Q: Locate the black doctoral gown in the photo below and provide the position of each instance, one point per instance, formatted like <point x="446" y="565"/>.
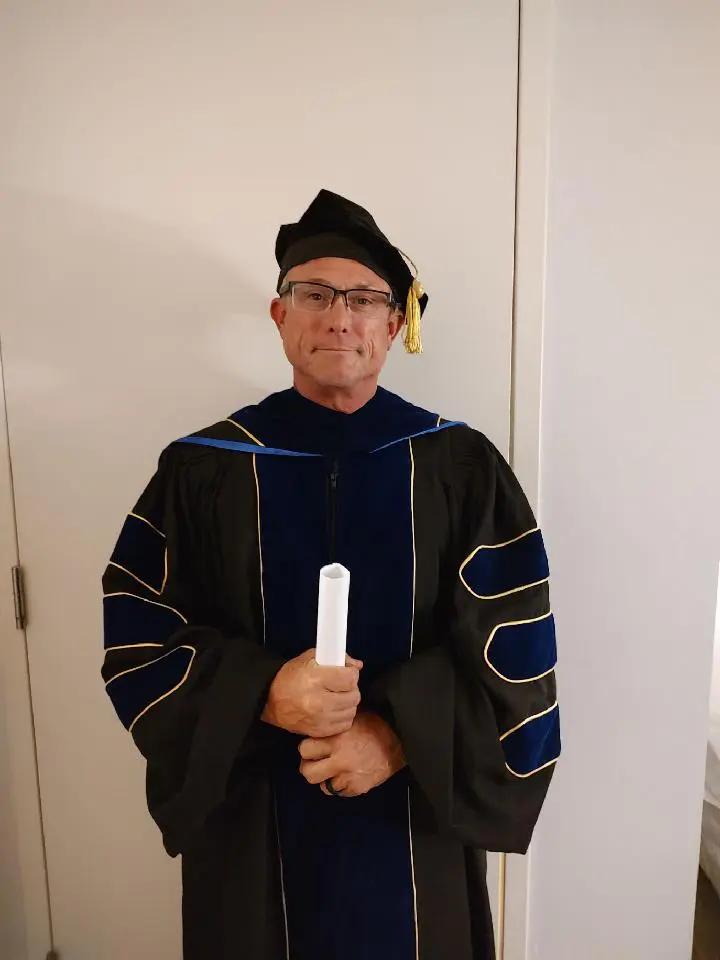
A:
<point x="213" y="585"/>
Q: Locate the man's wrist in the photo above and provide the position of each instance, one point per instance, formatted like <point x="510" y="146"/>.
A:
<point x="391" y="742"/>
<point x="269" y="712"/>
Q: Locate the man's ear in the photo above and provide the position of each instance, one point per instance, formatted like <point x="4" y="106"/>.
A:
<point x="278" y="313"/>
<point x="395" y="325"/>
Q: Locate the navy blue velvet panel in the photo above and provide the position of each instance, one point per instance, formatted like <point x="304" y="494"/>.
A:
<point x="494" y="570"/>
<point x="534" y="744"/>
<point x="523" y="651"/>
<point x="347" y="868"/>
<point x="375" y="542"/>
<point x="295" y="545"/>
<point x="130" y="620"/>
<point x="141" y="551"/>
<point x="135" y="690"/>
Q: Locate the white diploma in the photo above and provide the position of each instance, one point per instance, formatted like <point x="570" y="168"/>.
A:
<point x="332" y="615"/>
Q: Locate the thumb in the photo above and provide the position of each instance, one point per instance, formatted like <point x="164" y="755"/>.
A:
<point x="351" y="662"/>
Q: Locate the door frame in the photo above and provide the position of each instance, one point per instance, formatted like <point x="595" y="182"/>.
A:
<point x="535" y="48"/>
<point x="15" y="700"/>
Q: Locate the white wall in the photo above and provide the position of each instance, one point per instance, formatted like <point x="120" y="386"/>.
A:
<point x="630" y="492"/>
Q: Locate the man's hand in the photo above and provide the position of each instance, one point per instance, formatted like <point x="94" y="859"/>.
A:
<point x="357" y="761"/>
<point x="312" y="700"/>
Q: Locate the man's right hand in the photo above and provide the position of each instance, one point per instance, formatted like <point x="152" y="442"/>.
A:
<point x="311" y="700"/>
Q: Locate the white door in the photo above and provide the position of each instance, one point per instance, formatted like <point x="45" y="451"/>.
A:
<point x="150" y="152"/>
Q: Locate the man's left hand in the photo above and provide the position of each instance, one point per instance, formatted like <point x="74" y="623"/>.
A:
<point x="355" y="762"/>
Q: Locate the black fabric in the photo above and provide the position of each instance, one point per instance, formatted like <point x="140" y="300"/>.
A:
<point x="213" y="766"/>
<point x="333" y="226"/>
<point x="321" y="245"/>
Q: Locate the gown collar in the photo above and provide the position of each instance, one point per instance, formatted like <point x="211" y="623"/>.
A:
<point x="289" y="421"/>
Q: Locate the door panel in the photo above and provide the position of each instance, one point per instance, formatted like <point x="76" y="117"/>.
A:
<point x="155" y="149"/>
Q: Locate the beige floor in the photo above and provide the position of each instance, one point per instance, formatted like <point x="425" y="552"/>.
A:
<point x="706" y="944"/>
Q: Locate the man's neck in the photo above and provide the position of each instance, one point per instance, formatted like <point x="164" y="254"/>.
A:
<point x="344" y="400"/>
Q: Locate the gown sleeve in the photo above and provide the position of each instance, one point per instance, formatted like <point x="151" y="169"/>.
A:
<point x="477" y="712"/>
<point x="190" y="695"/>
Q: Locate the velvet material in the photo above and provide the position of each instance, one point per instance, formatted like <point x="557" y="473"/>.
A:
<point x="534" y="744"/>
<point x="133" y="692"/>
<point x="364" y="856"/>
<point x="140" y="550"/>
<point x="520" y="652"/>
<point x="128" y="617"/>
<point x="495" y="570"/>
<point x="288" y="421"/>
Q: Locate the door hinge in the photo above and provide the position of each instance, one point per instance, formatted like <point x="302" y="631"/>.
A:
<point x="20" y="610"/>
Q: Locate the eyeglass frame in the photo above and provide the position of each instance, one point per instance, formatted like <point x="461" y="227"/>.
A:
<point x="393" y="304"/>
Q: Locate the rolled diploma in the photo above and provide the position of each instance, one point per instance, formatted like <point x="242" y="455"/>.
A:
<point x="332" y="615"/>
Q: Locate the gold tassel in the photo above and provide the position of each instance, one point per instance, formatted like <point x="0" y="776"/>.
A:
<point x="412" y="341"/>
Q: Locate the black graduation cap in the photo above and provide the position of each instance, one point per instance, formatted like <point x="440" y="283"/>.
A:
<point x="335" y="227"/>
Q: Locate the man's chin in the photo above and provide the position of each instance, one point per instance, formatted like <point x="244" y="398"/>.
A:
<point x="336" y="369"/>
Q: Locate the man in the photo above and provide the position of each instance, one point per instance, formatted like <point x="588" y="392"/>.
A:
<point x="336" y="813"/>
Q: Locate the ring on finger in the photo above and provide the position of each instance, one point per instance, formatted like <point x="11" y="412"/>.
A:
<point x="332" y="790"/>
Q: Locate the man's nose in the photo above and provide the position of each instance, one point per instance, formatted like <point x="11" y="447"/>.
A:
<point x="338" y="316"/>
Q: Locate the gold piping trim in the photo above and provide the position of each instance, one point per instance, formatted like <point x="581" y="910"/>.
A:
<point x="507" y="593"/>
<point x="130" y="646"/>
<point x="282" y="882"/>
<point x="515" y="623"/>
<point x="260" y="557"/>
<point x="414" y="551"/>
<point x="535" y="716"/>
<point x="157" y="592"/>
<point x="141" y="666"/>
<point x="241" y="427"/>
<point x="123" y="593"/>
<point x="158" y="699"/>
<point x="496" y="546"/>
<point x="412" y="640"/>
<point x="151" y="525"/>
<point x="176" y="687"/>
<point x="414" y="885"/>
<point x="439" y="420"/>
<point x="524" y="776"/>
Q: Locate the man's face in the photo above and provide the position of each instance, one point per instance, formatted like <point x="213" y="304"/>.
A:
<point x="336" y="348"/>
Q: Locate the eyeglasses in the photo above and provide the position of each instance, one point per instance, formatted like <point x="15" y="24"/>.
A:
<point x="319" y="297"/>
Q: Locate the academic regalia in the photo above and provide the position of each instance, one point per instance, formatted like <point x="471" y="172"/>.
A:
<point x="213" y="585"/>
